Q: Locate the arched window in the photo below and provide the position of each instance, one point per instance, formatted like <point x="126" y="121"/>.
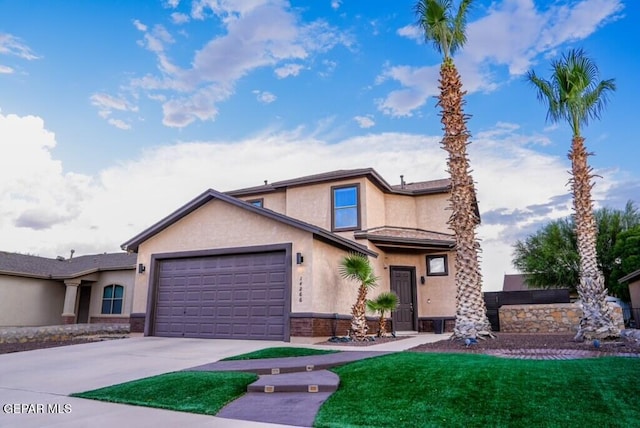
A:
<point x="112" y="297"/>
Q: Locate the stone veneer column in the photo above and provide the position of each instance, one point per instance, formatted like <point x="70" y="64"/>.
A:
<point x="69" y="310"/>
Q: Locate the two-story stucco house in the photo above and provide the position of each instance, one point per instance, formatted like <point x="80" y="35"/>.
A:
<point x="262" y="262"/>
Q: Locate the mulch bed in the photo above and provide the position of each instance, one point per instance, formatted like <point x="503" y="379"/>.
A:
<point x="515" y="341"/>
<point x="372" y="340"/>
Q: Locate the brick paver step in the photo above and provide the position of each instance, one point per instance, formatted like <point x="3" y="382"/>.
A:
<point x="312" y="382"/>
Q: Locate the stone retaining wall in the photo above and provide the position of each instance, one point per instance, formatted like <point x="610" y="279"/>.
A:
<point x="58" y="332"/>
<point x="548" y="318"/>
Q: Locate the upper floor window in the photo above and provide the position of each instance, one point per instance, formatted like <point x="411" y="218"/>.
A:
<point x="256" y="202"/>
<point x="346" y="207"/>
<point x="112" y="297"/>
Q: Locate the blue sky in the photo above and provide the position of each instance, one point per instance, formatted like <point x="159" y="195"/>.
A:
<point x="113" y="114"/>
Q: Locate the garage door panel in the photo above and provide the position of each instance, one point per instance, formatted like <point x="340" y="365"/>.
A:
<point x="226" y="296"/>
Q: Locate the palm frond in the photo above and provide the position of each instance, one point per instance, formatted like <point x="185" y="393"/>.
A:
<point x="573" y="93"/>
<point x="357" y="267"/>
<point x="445" y="31"/>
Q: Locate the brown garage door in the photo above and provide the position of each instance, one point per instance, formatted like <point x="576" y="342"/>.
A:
<point x="238" y="296"/>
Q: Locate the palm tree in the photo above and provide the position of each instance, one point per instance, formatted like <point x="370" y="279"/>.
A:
<point x="574" y="94"/>
<point x="357" y="267"/>
<point x="384" y="302"/>
<point x="447" y="33"/>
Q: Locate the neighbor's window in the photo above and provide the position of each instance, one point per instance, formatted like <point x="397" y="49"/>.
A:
<point x="256" y="202"/>
<point x="346" y="212"/>
<point x="437" y="265"/>
<point x="112" y="299"/>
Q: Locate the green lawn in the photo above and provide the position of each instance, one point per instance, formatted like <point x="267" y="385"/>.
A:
<point x="193" y="392"/>
<point x="454" y="390"/>
<point x="430" y="390"/>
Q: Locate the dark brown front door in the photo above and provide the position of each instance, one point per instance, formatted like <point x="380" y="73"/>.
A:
<point x="403" y="284"/>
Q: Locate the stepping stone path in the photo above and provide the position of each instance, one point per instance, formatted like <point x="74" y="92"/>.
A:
<point x="289" y="391"/>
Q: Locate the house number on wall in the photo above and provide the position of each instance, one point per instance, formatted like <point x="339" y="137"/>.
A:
<point x="300" y="291"/>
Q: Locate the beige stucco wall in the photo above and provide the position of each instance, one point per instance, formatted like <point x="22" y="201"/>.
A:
<point x="432" y="212"/>
<point x="30" y="302"/>
<point x="400" y="211"/>
<point x="273" y="201"/>
<point x="436" y="297"/>
<point x="331" y="292"/>
<point x="218" y="225"/>
<point x="126" y="278"/>
<point x="373" y="206"/>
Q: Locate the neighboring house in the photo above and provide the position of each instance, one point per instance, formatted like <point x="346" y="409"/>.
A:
<point x="37" y="291"/>
<point x="514" y="282"/>
<point x="262" y="262"/>
<point x="634" y="291"/>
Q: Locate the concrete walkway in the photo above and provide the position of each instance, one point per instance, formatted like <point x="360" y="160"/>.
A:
<point x="34" y="385"/>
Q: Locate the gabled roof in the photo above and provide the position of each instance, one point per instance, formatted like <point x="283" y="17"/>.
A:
<point x="420" y="188"/>
<point x="318" y="232"/>
<point x="407" y="238"/>
<point x="43" y="267"/>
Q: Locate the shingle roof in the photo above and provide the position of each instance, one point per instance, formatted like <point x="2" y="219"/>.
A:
<point x="318" y="232"/>
<point x="43" y="267"/>
<point x="631" y="277"/>
<point x="407" y="237"/>
<point x="423" y="187"/>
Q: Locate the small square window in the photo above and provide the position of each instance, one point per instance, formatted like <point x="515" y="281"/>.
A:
<point x="437" y="265"/>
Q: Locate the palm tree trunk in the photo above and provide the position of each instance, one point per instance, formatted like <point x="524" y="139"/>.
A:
<point x="382" y="325"/>
<point x="358" y="315"/>
<point x="597" y="320"/>
<point x="471" y="312"/>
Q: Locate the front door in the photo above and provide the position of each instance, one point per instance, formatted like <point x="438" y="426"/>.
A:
<point x="403" y="284"/>
<point x="83" y="305"/>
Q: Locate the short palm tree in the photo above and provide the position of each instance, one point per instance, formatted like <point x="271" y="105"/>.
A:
<point x="447" y="33"/>
<point x="387" y="301"/>
<point x="357" y="267"/>
<point x="574" y="94"/>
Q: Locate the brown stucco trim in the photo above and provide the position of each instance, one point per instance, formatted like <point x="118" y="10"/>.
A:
<point x="331" y="238"/>
<point x="154" y="275"/>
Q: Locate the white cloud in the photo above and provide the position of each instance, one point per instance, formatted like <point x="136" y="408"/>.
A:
<point x="139" y="25"/>
<point x="255" y="34"/>
<point x="412" y="32"/>
<point x="288" y="70"/>
<point x="512" y="34"/>
<point x="12" y="45"/>
<point x="364" y="121"/>
<point x="179" y="18"/>
<point x="4" y="69"/>
<point x="335" y="4"/>
<point x="107" y="104"/>
<point x="265" y="97"/>
<point x="45" y="210"/>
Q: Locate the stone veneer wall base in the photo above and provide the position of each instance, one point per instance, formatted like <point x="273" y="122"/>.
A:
<point x="546" y="318"/>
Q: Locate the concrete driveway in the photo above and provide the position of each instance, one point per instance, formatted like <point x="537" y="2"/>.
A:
<point x="34" y="385"/>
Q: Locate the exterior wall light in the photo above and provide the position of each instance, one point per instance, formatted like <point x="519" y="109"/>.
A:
<point x="299" y="258"/>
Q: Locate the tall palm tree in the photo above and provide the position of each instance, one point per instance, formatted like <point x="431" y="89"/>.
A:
<point x="358" y="268"/>
<point x="574" y="94"/>
<point x="446" y="31"/>
<point x="387" y="301"/>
